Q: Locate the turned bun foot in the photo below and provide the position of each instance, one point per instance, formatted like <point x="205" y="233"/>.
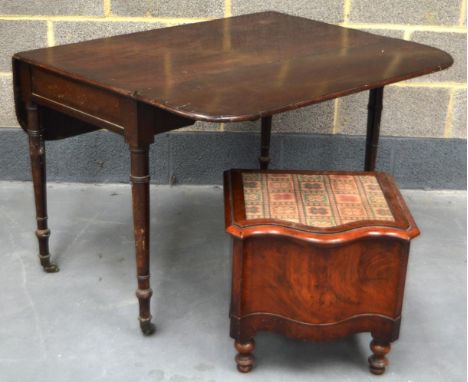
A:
<point x="244" y="358"/>
<point x="377" y="361"/>
<point x="146" y="326"/>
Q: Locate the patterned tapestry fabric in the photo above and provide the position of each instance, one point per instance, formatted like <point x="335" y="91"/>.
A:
<point x="314" y="200"/>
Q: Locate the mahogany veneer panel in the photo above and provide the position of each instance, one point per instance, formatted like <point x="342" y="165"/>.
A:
<point x="316" y="283"/>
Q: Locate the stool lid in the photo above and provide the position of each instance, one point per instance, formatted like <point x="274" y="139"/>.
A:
<point x="327" y="207"/>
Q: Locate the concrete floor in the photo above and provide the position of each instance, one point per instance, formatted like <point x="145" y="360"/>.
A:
<point x="80" y="324"/>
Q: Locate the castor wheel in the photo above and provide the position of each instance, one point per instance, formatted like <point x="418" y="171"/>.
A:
<point x="147" y="327"/>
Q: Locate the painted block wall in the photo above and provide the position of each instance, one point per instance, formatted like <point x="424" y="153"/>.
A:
<point x="430" y="106"/>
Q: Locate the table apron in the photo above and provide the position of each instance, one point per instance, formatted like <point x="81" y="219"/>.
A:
<point x="99" y="107"/>
<point x="85" y="102"/>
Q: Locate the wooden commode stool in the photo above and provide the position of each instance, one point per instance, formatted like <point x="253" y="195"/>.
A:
<point x="316" y="256"/>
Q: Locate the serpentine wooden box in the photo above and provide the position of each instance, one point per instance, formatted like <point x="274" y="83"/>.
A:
<point x="317" y="256"/>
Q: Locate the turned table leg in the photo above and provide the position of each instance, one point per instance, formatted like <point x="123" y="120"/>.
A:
<point x="264" y="158"/>
<point x="377" y="361"/>
<point x="37" y="155"/>
<point x="373" y="127"/>
<point x="244" y="358"/>
<point x="140" y="199"/>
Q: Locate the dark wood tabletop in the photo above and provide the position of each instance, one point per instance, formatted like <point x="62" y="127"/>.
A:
<point x="240" y="68"/>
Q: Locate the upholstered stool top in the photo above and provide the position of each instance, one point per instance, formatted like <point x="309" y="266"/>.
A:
<point x="323" y="206"/>
<point x="318" y="200"/>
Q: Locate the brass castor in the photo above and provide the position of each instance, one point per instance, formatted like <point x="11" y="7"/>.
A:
<point x="47" y="265"/>
<point x="50" y="268"/>
<point x="146" y="326"/>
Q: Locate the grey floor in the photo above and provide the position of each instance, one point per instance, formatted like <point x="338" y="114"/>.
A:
<point x="80" y="324"/>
